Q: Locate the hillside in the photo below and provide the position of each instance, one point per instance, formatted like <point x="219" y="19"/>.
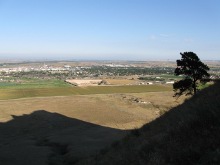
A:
<point x="187" y="134"/>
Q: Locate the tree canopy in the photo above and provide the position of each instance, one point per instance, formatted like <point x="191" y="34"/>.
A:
<point x="193" y="71"/>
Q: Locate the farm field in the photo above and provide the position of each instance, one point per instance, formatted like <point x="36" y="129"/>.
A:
<point x="33" y="83"/>
<point x="121" y="81"/>
<point x="15" y="93"/>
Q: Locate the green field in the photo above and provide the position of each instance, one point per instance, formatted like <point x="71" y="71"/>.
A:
<point x="33" y="83"/>
<point x="15" y="93"/>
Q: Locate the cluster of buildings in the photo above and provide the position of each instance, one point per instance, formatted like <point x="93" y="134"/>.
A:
<point x="35" y="68"/>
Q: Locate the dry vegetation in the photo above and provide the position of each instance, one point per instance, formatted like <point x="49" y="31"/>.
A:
<point x="65" y="129"/>
<point x="121" y="82"/>
<point x="99" y="109"/>
<point x="187" y="134"/>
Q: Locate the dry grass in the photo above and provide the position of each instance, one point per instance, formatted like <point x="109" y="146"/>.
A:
<point x="121" y="81"/>
<point x="111" y="110"/>
<point x="82" y="82"/>
<point x="186" y="134"/>
<point x="70" y="127"/>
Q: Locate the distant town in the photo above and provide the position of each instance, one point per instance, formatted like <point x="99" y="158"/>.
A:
<point x="148" y="72"/>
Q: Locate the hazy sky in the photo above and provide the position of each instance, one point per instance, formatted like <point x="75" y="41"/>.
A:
<point x="109" y="29"/>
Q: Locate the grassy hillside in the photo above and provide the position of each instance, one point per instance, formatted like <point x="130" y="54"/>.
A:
<point x="62" y="130"/>
<point x="187" y="134"/>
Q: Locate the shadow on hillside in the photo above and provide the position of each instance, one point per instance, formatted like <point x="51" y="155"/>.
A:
<point x="202" y="105"/>
<point x="187" y="134"/>
<point x="44" y="138"/>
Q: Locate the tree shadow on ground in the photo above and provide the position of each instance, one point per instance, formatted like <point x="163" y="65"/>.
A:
<point x="45" y="138"/>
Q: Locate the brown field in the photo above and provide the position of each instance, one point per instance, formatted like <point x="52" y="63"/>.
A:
<point x="93" y="82"/>
<point x="121" y="82"/>
<point x="82" y="82"/>
<point x="54" y="129"/>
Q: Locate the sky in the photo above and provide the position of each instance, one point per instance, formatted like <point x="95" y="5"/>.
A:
<point x="109" y="29"/>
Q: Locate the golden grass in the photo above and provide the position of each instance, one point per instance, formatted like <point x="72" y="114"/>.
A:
<point x="107" y="110"/>
<point x="121" y="81"/>
<point x="187" y="134"/>
<point x="57" y="124"/>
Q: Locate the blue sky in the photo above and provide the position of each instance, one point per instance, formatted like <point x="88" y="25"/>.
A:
<point x="109" y="29"/>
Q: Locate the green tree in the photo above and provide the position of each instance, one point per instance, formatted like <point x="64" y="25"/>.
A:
<point x="193" y="71"/>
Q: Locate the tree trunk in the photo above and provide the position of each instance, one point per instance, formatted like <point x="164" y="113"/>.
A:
<point x="194" y="86"/>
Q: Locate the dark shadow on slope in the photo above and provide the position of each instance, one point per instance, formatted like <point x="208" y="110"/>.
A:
<point x="187" y="134"/>
<point x="44" y="138"/>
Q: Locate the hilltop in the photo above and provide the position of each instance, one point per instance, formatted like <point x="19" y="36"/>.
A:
<point x="187" y="134"/>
